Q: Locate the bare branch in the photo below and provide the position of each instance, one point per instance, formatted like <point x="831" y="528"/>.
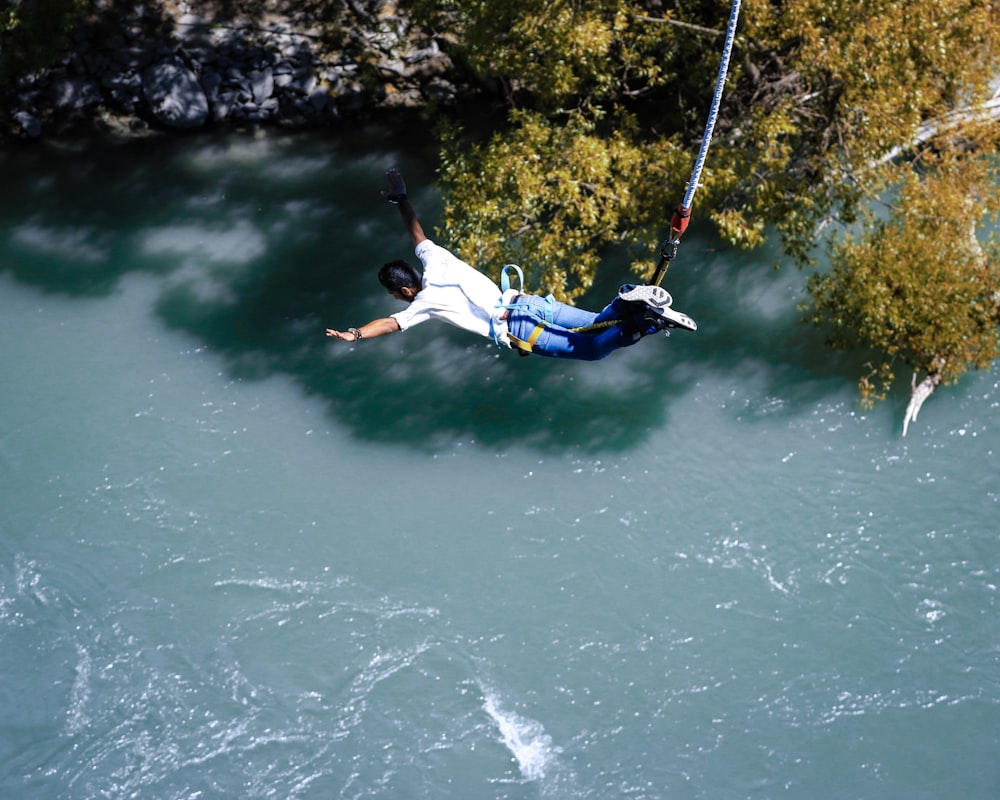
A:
<point x="679" y="24"/>
<point x="918" y="395"/>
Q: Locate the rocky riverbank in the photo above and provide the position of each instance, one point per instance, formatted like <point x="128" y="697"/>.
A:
<point x="192" y="65"/>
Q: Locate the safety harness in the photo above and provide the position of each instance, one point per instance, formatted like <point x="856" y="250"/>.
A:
<point x="508" y="302"/>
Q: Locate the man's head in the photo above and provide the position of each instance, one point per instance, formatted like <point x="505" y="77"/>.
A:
<point x="401" y="279"/>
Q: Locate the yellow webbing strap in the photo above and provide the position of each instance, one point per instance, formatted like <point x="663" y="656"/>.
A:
<point x="597" y="326"/>
<point x="527" y="345"/>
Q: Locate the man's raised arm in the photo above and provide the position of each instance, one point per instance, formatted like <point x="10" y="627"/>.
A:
<point x="397" y="195"/>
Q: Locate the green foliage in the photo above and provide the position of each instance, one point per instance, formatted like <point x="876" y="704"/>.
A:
<point x="550" y="198"/>
<point x="856" y="83"/>
<point x="547" y="53"/>
<point x="32" y="32"/>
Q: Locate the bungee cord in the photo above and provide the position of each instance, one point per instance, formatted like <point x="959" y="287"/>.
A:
<point x="682" y="215"/>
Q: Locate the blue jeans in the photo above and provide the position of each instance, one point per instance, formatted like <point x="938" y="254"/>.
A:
<point x="557" y="338"/>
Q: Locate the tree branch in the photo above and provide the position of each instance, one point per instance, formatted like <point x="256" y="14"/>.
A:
<point x="918" y="395"/>
<point x="689" y="25"/>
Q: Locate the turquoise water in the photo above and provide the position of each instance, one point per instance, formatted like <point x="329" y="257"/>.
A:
<point x="240" y="560"/>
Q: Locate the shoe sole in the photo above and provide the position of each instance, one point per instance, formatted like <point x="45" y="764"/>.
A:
<point x="675" y="319"/>
<point x="652" y="296"/>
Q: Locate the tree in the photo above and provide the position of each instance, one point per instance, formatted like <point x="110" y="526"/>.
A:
<point x="919" y="287"/>
<point x="831" y="106"/>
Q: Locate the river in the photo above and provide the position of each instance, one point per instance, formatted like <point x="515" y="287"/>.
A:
<point x="238" y="559"/>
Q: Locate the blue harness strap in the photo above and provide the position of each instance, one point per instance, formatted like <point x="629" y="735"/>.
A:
<point x="550" y="304"/>
<point x="524" y="345"/>
<point x="504" y="289"/>
<point x="505" y="278"/>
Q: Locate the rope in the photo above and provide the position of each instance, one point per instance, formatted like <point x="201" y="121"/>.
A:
<point x="597" y="326"/>
<point x="682" y="215"/>
<point x="713" y="114"/>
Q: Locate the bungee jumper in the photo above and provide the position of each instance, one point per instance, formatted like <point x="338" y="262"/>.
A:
<point x="454" y="292"/>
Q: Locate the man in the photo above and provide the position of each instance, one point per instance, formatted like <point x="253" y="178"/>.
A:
<point x="452" y="291"/>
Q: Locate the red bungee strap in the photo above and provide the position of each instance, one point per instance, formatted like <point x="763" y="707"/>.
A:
<point x="680" y="220"/>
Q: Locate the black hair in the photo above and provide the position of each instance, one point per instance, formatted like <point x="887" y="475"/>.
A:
<point x="399" y="274"/>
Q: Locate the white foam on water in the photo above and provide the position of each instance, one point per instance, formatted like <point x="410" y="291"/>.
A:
<point x="526" y="739"/>
<point x="81" y="244"/>
<point x="76" y="717"/>
<point x="241" y="243"/>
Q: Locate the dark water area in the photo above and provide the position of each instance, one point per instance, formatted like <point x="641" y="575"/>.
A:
<point x="238" y="559"/>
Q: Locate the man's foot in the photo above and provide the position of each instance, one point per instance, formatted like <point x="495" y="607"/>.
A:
<point x="655" y="297"/>
<point x="668" y="318"/>
<point x="658" y="311"/>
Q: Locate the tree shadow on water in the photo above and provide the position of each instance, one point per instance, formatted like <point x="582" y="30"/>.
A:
<point x="260" y="243"/>
<point x="751" y="328"/>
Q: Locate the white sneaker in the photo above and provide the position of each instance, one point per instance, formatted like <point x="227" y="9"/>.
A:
<point x="653" y="296"/>
<point x="669" y="318"/>
<point x="675" y="319"/>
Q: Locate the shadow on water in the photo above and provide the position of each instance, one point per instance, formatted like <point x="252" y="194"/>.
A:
<point x="261" y="242"/>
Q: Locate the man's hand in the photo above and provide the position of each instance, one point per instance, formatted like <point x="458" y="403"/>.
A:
<point x="344" y="336"/>
<point x="397" y="187"/>
<point x="397" y="195"/>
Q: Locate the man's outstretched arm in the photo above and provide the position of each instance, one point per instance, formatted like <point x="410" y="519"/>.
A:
<point x="377" y="327"/>
<point x="397" y="195"/>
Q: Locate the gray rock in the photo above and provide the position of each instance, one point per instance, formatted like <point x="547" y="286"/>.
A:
<point x="30" y="124"/>
<point x="442" y="91"/>
<point x="174" y="95"/>
<point x="211" y="82"/>
<point x="223" y="105"/>
<point x="75" y="93"/>
<point x="303" y="83"/>
<point x="266" y="110"/>
<point x="135" y="58"/>
<point x="190" y="25"/>
<point x="262" y="84"/>
<point x="199" y="72"/>
<point x="318" y="100"/>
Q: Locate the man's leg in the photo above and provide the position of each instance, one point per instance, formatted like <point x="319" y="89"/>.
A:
<point x="552" y="328"/>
